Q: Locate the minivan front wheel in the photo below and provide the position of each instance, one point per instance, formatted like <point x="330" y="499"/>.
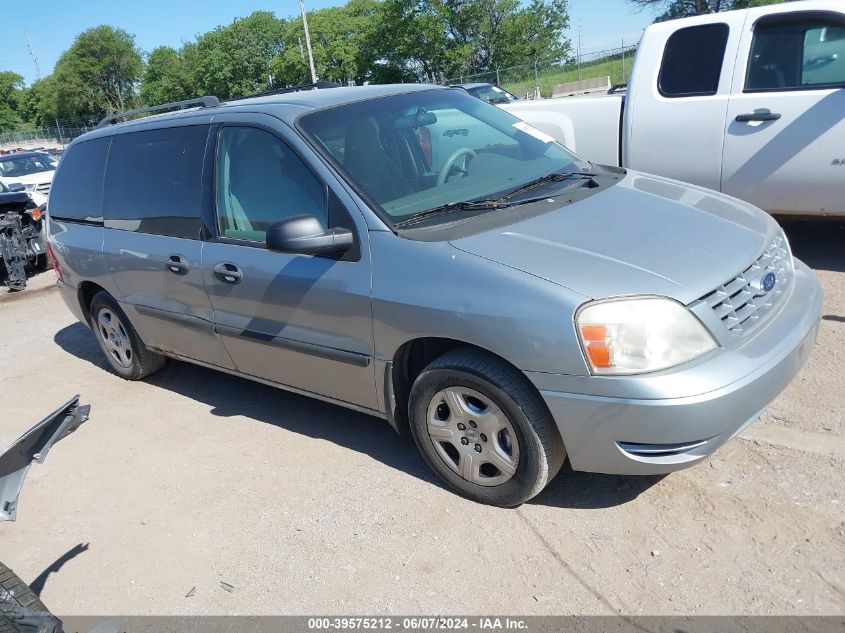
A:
<point x="126" y="353"/>
<point x="483" y="429"/>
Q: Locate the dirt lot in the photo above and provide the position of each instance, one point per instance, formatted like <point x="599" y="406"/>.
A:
<point x="196" y="478"/>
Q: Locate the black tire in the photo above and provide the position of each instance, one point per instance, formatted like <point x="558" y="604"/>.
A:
<point x="20" y="609"/>
<point x="140" y="362"/>
<point x="541" y="451"/>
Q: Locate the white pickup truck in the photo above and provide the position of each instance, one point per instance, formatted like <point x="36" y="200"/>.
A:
<point x="750" y="103"/>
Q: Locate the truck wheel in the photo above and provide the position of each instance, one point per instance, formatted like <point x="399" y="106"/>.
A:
<point x="484" y="429"/>
<point x="124" y="349"/>
<point x="20" y="609"/>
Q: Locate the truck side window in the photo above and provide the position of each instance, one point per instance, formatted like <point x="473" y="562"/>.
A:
<point x="796" y="52"/>
<point x="692" y="61"/>
<point x="154" y="181"/>
<point x="260" y="180"/>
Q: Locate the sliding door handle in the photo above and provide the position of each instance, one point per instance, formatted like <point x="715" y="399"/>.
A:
<point x="177" y="265"/>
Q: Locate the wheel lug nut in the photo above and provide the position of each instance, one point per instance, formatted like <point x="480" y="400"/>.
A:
<point x="464" y="441"/>
<point x="461" y="426"/>
<point x="483" y="437"/>
<point x="478" y="448"/>
<point x="473" y="424"/>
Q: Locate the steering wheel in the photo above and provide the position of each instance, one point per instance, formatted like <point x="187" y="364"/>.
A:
<point x="444" y="172"/>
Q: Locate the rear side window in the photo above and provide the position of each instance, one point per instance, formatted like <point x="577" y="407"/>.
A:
<point x="154" y="181"/>
<point x="692" y="61"/>
<point x="77" y="189"/>
<point x="797" y="52"/>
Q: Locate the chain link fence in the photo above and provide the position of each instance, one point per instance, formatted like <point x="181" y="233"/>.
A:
<point x="55" y="136"/>
<point x="541" y="76"/>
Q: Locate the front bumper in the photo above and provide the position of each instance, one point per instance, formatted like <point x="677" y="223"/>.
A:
<point x="662" y="422"/>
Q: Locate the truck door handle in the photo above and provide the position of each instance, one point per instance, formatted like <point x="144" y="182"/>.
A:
<point x="177" y="265"/>
<point x="757" y="116"/>
<point x="228" y="272"/>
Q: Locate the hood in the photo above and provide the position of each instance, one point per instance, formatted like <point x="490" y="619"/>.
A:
<point x="644" y="235"/>
<point x="30" y="179"/>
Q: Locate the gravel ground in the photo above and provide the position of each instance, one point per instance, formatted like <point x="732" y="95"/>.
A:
<point x="195" y="478"/>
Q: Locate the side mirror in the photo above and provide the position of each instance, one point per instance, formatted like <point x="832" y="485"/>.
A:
<point x="16" y="187"/>
<point x="303" y="234"/>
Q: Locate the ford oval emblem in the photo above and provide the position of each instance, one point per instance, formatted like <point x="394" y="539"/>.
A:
<point x="768" y="282"/>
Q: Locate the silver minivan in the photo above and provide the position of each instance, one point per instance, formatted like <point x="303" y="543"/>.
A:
<point x="417" y="254"/>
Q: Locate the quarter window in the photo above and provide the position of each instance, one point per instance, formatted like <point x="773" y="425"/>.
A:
<point x="261" y="180"/>
<point x="77" y="188"/>
<point x="795" y="53"/>
<point x="692" y="61"/>
<point x="154" y="181"/>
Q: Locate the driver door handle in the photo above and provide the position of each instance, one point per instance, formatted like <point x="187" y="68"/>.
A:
<point x="228" y="273"/>
<point x="757" y="116"/>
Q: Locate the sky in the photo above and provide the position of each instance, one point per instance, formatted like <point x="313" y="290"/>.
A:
<point x="53" y="24"/>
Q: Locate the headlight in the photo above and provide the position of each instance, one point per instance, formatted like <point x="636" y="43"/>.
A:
<point x="632" y="336"/>
<point x="29" y="187"/>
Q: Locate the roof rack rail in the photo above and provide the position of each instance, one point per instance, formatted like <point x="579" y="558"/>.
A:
<point x="202" y="102"/>
<point x="317" y="85"/>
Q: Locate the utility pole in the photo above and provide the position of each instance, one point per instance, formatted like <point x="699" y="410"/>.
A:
<point x="32" y="54"/>
<point x="579" y="49"/>
<point x="308" y="41"/>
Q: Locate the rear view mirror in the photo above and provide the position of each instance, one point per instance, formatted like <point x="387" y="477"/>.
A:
<point x="16" y="187"/>
<point x="420" y="119"/>
<point x="303" y="234"/>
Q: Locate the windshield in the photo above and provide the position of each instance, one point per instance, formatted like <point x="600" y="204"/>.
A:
<point x="12" y="166"/>
<point x="414" y="152"/>
<point x="492" y="94"/>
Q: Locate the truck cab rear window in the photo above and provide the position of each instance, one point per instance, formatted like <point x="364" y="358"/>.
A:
<point x="77" y="189"/>
<point x="692" y="61"/>
<point x="154" y="181"/>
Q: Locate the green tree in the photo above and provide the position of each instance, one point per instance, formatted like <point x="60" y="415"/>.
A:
<point x="340" y="39"/>
<point x="234" y="60"/>
<point x="673" y="9"/>
<point x="98" y="74"/>
<point x="39" y="104"/>
<point x="433" y="38"/>
<point x="10" y="93"/>
<point x="166" y="77"/>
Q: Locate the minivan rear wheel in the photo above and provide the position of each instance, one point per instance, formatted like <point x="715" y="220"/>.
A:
<point x="124" y="350"/>
<point x="484" y="429"/>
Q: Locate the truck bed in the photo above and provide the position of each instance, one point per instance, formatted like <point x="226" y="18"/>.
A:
<point x="590" y="125"/>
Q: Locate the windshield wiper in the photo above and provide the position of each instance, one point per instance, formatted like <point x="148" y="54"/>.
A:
<point x="556" y="177"/>
<point x="467" y="205"/>
<point x="504" y="202"/>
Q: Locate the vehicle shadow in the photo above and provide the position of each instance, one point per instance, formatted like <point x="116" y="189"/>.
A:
<point x="227" y="395"/>
<point x="818" y="242"/>
<point x="37" y="585"/>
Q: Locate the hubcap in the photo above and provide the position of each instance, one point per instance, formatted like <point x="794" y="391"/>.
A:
<point x="114" y="337"/>
<point x="473" y="436"/>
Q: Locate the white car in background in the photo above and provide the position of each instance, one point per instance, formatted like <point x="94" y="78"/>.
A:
<point x="33" y="170"/>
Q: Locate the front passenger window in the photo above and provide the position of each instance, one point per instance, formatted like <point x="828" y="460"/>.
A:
<point x="259" y="181"/>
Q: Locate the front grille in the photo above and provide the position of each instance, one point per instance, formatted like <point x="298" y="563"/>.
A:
<point x="43" y="187"/>
<point x="742" y="303"/>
